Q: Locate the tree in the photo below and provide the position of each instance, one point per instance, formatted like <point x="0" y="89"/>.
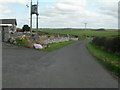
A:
<point x="26" y="28"/>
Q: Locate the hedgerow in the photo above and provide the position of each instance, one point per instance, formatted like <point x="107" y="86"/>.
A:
<point x="111" y="44"/>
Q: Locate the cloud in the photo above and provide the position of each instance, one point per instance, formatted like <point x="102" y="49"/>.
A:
<point x="75" y="13"/>
<point x="108" y="7"/>
<point x="63" y="8"/>
<point x="70" y="13"/>
<point x="109" y="11"/>
<point x="66" y="13"/>
<point x="4" y="9"/>
<point x="13" y="1"/>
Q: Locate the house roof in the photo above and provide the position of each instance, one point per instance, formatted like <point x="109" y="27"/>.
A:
<point x="8" y="21"/>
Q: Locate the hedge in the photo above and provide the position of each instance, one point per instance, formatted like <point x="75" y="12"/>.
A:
<point x="111" y="44"/>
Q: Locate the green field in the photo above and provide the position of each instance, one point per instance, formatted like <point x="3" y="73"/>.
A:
<point x="81" y="32"/>
<point x="109" y="60"/>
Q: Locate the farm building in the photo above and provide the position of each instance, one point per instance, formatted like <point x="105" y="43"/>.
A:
<point x="6" y="27"/>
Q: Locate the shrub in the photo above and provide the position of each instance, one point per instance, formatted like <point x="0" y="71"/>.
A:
<point x="99" y="41"/>
<point x="20" y="41"/>
<point x="29" y="44"/>
<point x="26" y="28"/>
<point x="116" y="46"/>
<point x="110" y="44"/>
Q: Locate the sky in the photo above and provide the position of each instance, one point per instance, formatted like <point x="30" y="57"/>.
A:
<point x="63" y="13"/>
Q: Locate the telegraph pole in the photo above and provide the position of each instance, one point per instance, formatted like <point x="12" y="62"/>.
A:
<point x="31" y="17"/>
<point x="37" y="18"/>
<point x="85" y="25"/>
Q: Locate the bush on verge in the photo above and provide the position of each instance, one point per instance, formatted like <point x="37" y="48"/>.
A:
<point x="111" y="44"/>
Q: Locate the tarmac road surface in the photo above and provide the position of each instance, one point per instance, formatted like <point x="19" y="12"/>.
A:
<point x="70" y="67"/>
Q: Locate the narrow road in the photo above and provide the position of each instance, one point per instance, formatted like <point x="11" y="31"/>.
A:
<point x="70" y="67"/>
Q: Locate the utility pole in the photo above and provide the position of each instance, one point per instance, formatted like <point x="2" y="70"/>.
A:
<point x="31" y="17"/>
<point x="85" y="25"/>
<point x="37" y="18"/>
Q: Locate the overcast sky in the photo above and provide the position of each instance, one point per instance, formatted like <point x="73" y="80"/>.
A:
<point x="64" y="13"/>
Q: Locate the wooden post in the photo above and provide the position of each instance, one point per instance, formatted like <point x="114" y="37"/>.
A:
<point x="31" y="18"/>
<point x="37" y="18"/>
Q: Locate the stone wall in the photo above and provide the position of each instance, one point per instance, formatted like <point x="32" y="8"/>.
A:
<point x="45" y="40"/>
<point x="56" y="40"/>
<point x="5" y="34"/>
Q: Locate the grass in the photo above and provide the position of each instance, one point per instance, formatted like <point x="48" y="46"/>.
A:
<point x="55" y="46"/>
<point x="83" y="32"/>
<point x="110" y="60"/>
<point x="111" y="29"/>
<point x="20" y="42"/>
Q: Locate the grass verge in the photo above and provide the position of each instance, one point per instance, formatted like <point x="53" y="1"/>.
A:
<point x="110" y="60"/>
<point x="55" y="46"/>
